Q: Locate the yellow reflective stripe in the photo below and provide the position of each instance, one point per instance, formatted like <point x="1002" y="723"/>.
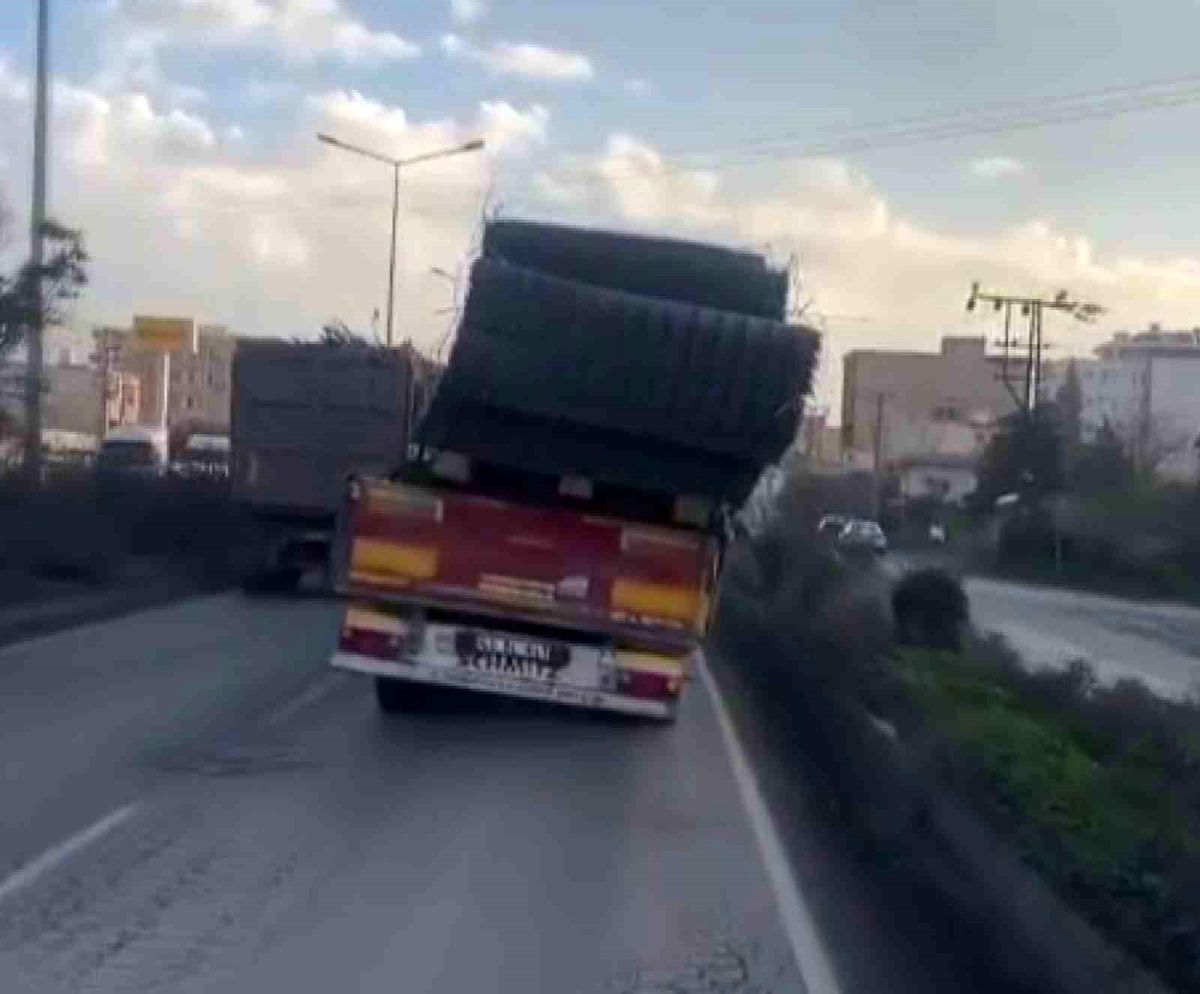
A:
<point x="656" y="599"/>
<point x="376" y="559"/>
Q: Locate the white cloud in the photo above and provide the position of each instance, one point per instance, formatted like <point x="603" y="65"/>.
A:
<point x="300" y="29"/>
<point x="861" y="258"/>
<point x="467" y="12"/>
<point x="638" y="87"/>
<point x="504" y="126"/>
<point x="13" y="87"/>
<point x="996" y="167"/>
<point x="521" y="59"/>
<point x="182" y="216"/>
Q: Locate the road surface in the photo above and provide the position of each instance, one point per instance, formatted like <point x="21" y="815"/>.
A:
<point x="1153" y="642"/>
<point x="193" y="802"/>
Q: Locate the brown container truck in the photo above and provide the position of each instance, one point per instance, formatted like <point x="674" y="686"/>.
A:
<point x="308" y="417"/>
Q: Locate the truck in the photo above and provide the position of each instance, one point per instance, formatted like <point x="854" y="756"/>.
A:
<point x="557" y="531"/>
<point x="306" y="418"/>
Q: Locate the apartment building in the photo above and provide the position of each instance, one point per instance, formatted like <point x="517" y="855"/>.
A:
<point x="1146" y="386"/>
<point x="898" y="406"/>
<point x="197" y="387"/>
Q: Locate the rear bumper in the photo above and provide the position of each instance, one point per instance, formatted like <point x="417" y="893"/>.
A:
<point x="508" y="686"/>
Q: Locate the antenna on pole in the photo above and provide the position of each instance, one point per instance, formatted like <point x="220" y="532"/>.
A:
<point x="1034" y="344"/>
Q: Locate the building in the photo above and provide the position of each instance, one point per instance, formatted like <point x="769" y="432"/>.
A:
<point x="70" y="396"/>
<point x="123" y="403"/>
<point x="198" y="392"/>
<point x="1146" y="387"/>
<point x="897" y="406"/>
<point x="820" y="442"/>
<point x="947" y="478"/>
<point x="71" y="399"/>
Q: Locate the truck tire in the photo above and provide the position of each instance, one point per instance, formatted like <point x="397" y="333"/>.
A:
<point x="281" y="580"/>
<point x="399" y="696"/>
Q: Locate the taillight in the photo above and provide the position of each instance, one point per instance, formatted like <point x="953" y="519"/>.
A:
<point x="647" y="686"/>
<point x="371" y="633"/>
<point x="649" y="676"/>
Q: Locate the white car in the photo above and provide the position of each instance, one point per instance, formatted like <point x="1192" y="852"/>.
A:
<point x="860" y="534"/>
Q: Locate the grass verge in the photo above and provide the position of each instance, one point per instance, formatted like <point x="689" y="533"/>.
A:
<point x="1099" y="788"/>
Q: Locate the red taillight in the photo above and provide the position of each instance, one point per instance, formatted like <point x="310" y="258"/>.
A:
<point x="648" y="686"/>
<point x="364" y="642"/>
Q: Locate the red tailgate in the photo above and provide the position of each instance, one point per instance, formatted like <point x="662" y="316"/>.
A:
<point x="473" y="553"/>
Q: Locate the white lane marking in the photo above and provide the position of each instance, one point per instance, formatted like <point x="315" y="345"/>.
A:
<point x="798" y="922"/>
<point x="310" y="695"/>
<point x="51" y="858"/>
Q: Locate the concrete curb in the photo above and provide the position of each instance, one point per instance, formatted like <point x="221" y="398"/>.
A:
<point x="900" y="805"/>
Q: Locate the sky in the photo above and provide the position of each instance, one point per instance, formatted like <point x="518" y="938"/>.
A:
<point x="183" y="145"/>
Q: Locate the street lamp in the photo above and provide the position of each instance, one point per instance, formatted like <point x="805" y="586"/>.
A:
<point x="397" y="165"/>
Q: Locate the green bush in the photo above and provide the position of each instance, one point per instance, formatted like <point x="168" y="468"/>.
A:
<point x="1098" y="787"/>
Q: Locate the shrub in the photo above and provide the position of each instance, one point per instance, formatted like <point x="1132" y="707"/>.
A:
<point x="930" y="608"/>
<point x="1098" y="786"/>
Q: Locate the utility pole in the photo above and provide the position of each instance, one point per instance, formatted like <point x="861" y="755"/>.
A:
<point x="1034" y="344"/>
<point x="877" y="461"/>
<point x="37" y="225"/>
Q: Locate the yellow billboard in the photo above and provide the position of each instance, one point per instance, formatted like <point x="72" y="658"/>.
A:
<point x="165" y="334"/>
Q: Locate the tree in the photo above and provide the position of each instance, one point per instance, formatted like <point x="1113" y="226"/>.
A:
<point x="61" y="277"/>
<point x="1160" y="439"/>
<point x="1102" y="464"/>
<point x="1023" y="456"/>
<point x="337" y="333"/>
<point x="1069" y="404"/>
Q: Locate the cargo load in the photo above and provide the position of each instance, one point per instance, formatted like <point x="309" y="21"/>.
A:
<point x="558" y="535"/>
<point x="558" y="375"/>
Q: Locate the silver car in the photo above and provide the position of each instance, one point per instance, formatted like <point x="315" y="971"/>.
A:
<point x="861" y="534"/>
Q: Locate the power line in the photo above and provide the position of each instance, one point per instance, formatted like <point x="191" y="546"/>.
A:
<point x="1145" y="89"/>
<point x="995" y="118"/>
<point x="1025" y="115"/>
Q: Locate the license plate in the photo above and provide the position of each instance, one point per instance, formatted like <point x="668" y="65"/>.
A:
<point x="512" y="655"/>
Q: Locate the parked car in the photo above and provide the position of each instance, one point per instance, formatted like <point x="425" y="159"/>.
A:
<point x="831" y="525"/>
<point x="203" y="456"/>
<point x="860" y="534"/>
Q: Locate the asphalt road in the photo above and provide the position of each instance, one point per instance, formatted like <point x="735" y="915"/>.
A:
<point x="1156" y="643"/>
<point x="192" y="801"/>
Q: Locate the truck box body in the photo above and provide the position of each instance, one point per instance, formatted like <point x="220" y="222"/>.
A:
<point x="606" y="395"/>
<point x="308" y="416"/>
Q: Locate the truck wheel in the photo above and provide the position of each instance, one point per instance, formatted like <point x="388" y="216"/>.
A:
<point x="396" y="696"/>
<point x="273" y="581"/>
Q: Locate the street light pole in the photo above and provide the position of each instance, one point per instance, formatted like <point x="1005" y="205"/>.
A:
<point x="391" y="310"/>
<point x="397" y="165"/>
<point x="37" y="225"/>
